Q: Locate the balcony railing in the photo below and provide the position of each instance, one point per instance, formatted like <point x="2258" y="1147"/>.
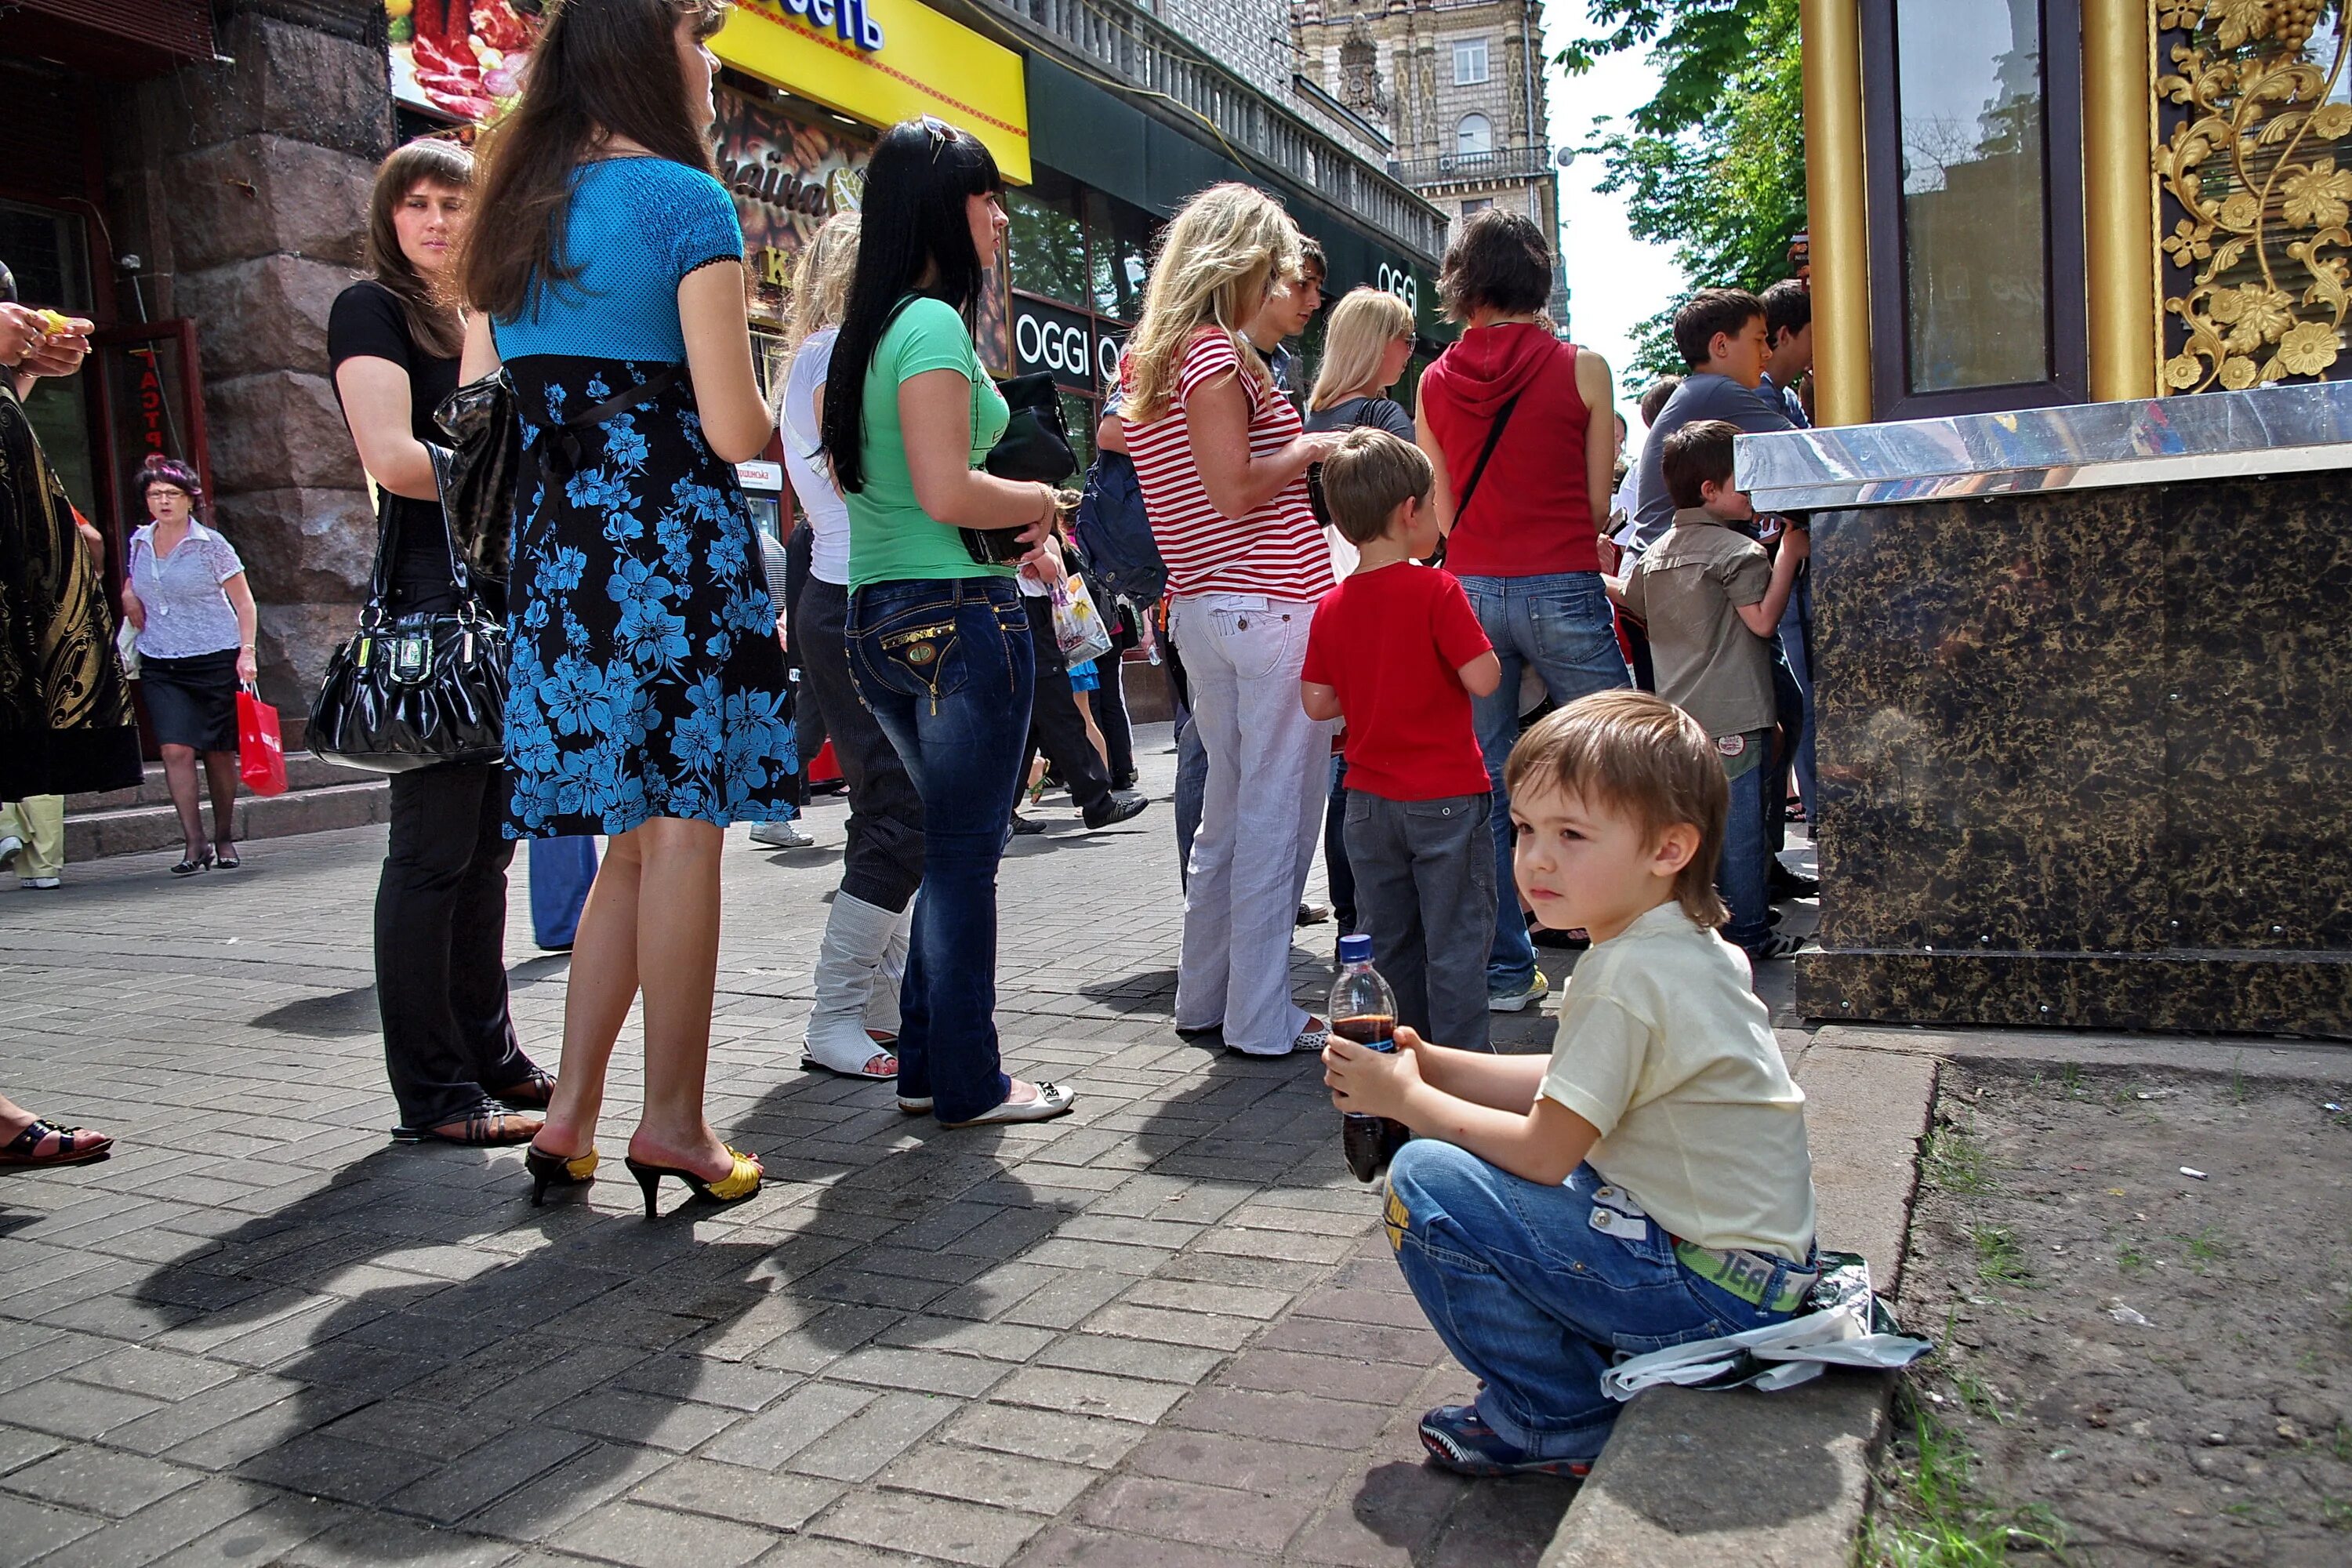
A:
<point x="1474" y="168"/>
<point x="1137" y="47"/>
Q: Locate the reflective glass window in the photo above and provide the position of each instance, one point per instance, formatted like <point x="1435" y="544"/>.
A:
<point x="1047" y="245"/>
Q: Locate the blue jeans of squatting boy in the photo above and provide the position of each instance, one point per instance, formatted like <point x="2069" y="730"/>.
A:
<point x="1535" y="1301"/>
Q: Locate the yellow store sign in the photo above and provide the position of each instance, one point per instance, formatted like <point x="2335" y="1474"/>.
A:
<point x="882" y="61"/>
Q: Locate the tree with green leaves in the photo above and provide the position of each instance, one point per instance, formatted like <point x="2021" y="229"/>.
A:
<point x="1715" y="164"/>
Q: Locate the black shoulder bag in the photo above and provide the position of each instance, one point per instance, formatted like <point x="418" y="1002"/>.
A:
<point x="412" y="690"/>
<point x="1036" y="448"/>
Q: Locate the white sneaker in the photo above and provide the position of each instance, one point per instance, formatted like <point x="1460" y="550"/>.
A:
<point x="781" y="836"/>
<point x="1517" y="1001"/>
<point x="41" y="882"/>
<point x="9" y="844"/>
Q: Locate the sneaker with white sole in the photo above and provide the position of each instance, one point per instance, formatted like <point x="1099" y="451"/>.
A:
<point x="9" y="844"/>
<point x="43" y="883"/>
<point x="783" y="835"/>
<point x="1518" y="1001"/>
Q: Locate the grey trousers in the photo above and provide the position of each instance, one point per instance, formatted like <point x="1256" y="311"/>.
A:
<point x="1426" y="894"/>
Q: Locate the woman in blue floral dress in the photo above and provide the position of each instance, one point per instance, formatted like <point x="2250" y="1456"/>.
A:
<point x="646" y="696"/>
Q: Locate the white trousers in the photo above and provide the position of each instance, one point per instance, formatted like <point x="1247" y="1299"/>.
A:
<point x="1261" y="816"/>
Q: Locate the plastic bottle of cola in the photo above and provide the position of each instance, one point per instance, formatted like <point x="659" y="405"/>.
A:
<point x="1364" y="1009"/>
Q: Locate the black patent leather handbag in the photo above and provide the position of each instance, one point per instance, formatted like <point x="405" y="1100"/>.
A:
<point x="478" y="471"/>
<point x="414" y="691"/>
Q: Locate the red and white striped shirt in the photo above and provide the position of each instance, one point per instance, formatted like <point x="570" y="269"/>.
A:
<point x="1276" y="550"/>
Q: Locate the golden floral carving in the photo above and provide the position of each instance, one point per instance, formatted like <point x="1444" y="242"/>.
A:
<point x="2262" y="254"/>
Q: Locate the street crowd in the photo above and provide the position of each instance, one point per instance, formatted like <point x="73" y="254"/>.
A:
<point x="1515" y="691"/>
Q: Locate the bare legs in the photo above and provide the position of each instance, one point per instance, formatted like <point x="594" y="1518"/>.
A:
<point x="651" y="924"/>
<point x="179" y="772"/>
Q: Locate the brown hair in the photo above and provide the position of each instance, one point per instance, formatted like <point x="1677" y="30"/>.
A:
<point x="1500" y="262"/>
<point x="601" y="68"/>
<point x="1370" y="476"/>
<point x="1635" y="753"/>
<point x="159" y="469"/>
<point x="1698" y="455"/>
<point x="1654" y="395"/>
<point x="424" y="304"/>
<point x="1708" y="312"/>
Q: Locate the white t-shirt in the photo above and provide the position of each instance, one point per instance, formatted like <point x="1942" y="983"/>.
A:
<point x="828" y="514"/>
<point x="1665" y="1047"/>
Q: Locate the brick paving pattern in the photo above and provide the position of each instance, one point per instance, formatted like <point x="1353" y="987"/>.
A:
<point x="1164" y="1329"/>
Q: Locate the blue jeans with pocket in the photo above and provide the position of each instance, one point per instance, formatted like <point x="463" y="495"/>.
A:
<point x="1535" y="1299"/>
<point x="1561" y="626"/>
<point x="1743" y="876"/>
<point x="945" y="667"/>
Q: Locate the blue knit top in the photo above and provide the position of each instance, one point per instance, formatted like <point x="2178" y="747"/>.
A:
<point x="633" y="228"/>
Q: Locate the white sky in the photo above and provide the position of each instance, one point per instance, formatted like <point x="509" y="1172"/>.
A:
<point x="1614" y="280"/>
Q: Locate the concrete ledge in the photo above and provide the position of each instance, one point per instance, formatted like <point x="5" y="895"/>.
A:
<point x="133" y="830"/>
<point x="1774" y="1479"/>
<point x="2256" y="1056"/>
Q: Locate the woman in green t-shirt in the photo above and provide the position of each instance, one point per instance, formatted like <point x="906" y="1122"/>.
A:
<point x="939" y="642"/>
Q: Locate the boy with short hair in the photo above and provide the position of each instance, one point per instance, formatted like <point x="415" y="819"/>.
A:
<point x="1649" y="1183"/>
<point x="1788" y="346"/>
<point x="1720" y="333"/>
<point x="1712" y="601"/>
<point x="1397" y="651"/>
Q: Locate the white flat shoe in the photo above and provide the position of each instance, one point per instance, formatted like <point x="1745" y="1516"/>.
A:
<point x="915" y="1105"/>
<point x="1053" y="1100"/>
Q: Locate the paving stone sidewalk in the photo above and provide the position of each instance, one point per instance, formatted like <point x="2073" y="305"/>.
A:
<point x="1164" y="1329"/>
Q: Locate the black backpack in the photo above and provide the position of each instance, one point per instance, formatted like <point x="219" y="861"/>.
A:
<point x="1114" y="535"/>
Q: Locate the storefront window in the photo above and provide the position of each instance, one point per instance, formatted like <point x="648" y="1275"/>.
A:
<point x="1976" y="236"/>
<point x="1048" y="246"/>
<point x="1120" y="240"/>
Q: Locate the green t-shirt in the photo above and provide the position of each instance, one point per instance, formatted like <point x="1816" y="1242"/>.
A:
<point x="891" y="539"/>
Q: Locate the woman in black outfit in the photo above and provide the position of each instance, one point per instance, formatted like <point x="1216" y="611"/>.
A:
<point x="449" y="1043"/>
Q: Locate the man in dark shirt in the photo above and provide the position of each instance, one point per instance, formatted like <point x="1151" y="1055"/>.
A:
<point x="1721" y="334"/>
<point x="1788" y="329"/>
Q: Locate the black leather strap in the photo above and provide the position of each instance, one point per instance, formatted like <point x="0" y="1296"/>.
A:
<point x="1478" y="468"/>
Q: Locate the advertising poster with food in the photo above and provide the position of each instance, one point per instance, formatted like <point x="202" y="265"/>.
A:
<point x="459" y="60"/>
<point x="787" y="177"/>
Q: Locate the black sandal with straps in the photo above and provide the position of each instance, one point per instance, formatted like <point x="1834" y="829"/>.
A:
<point x="486" y="1128"/>
<point x="71" y="1149"/>
<point x="535" y="1092"/>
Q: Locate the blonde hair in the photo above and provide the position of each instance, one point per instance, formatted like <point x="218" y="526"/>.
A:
<point x="1635" y="752"/>
<point x="1370" y="476"/>
<point x="1217" y="260"/>
<point x="821" y="282"/>
<point x="1363" y="327"/>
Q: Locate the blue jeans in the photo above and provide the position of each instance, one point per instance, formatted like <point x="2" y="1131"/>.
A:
<point x="562" y="871"/>
<point x="1191" y="789"/>
<point x="1742" y="875"/>
<point x="947" y="669"/>
<point x="1534" y="1300"/>
<point x="1336" y="869"/>
<point x="1797" y="646"/>
<point x="1562" y="628"/>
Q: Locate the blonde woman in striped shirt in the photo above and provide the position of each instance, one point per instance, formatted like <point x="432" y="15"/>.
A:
<point x="1223" y="459"/>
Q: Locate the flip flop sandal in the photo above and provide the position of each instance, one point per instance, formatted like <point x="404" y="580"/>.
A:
<point x="72" y="1149"/>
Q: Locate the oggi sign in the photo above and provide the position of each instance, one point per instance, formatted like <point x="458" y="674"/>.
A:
<point x="1048" y="337"/>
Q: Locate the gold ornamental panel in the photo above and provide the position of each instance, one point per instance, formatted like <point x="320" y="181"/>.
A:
<point x="2253" y="172"/>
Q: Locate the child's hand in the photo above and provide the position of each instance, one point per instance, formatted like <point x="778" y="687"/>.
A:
<point x="1374" y="1083"/>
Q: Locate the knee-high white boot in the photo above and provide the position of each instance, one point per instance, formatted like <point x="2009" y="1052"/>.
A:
<point x="882" y="1006"/>
<point x="856" y="941"/>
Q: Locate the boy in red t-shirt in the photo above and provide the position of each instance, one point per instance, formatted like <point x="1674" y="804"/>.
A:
<point x="1397" y="652"/>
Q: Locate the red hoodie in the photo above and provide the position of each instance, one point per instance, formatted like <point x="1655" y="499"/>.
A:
<point x="1530" y="516"/>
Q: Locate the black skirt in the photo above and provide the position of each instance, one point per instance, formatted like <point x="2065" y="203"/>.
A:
<point x="191" y="701"/>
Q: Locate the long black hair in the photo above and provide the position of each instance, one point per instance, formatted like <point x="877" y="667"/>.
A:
<point x="912" y="221"/>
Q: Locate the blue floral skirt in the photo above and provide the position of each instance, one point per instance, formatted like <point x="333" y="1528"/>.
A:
<point x="647" y="679"/>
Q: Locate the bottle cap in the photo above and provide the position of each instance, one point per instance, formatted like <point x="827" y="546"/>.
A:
<point x="1355" y="950"/>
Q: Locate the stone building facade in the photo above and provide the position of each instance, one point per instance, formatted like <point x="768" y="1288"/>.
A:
<point x="1459" y="85"/>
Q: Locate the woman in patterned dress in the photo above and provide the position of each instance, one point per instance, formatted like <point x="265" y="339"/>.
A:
<point x="647" y="696"/>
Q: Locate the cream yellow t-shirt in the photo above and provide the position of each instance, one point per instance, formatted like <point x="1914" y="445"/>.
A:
<point x="1664" y="1046"/>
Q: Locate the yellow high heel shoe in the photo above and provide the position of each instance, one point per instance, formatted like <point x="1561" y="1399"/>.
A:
<point x="741" y="1183"/>
<point x="554" y="1170"/>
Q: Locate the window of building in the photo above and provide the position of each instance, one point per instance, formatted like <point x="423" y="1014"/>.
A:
<point x="1977" y="236"/>
<point x="1475" y="136"/>
<point x="1469" y="62"/>
<point x="1477" y="205"/>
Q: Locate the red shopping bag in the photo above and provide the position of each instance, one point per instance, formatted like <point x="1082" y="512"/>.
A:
<point x="823" y="768"/>
<point x="260" y="754"/>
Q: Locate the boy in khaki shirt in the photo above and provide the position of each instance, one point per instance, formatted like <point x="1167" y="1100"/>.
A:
<point x="1646" y="1185"/>
<point x="1712" y="601"/>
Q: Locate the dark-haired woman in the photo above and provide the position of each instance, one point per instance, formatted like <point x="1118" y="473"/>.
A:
<point x="939" y="642"/>
<point x="394" y="338"/>
<point x="184" y="589"/>
<point x="1527" y="541"/>
<point x="647" y="690"/>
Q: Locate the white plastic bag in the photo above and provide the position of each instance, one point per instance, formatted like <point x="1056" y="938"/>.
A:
<point x="1844" y="1324"/>
<point x="1079" y="628"/>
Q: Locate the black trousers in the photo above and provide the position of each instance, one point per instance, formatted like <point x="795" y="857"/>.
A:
<point x="808" y="718"/>
<point x="440" y="945"/>
<point x="884" y="863"/>
<point x="1055" y="726"/>
<point x="1109" y="703"/>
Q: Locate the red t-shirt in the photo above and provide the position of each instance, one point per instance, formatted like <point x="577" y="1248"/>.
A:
<point x="1529" y="516"/>
<point x="1277" y="550"/>
<point x="1390" y="642"/>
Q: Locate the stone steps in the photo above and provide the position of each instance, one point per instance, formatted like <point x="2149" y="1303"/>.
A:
<point x="352" y="800"/>
<point x="303" y="771"/>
